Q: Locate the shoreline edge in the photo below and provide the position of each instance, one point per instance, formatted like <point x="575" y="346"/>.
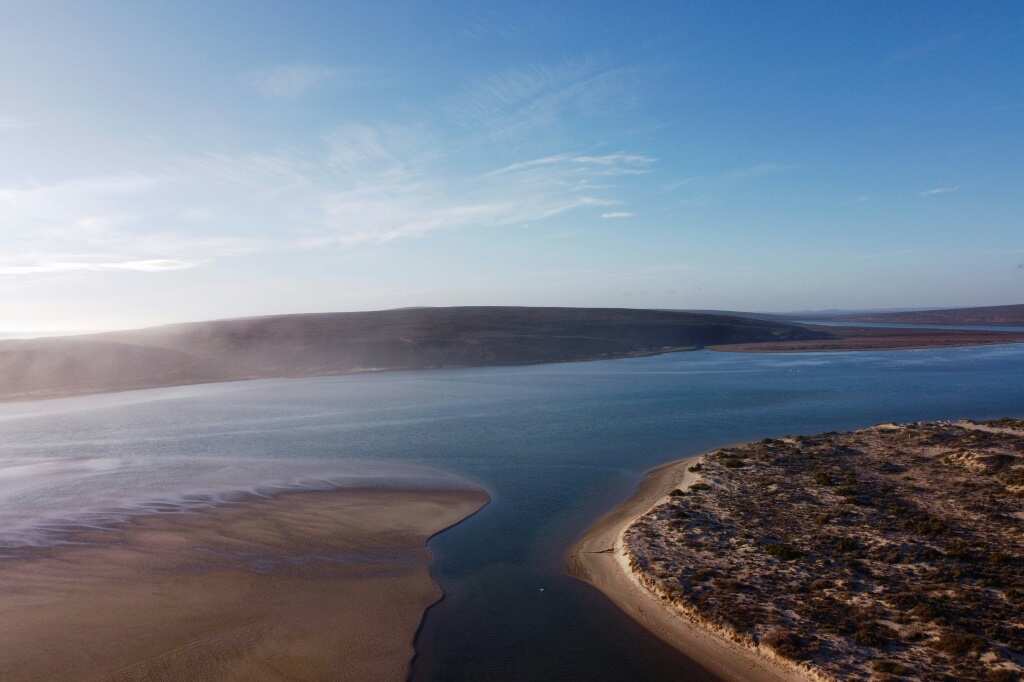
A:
<point x="598" y="558"/>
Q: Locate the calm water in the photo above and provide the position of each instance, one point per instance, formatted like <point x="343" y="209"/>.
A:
<point x="556" y="445"/>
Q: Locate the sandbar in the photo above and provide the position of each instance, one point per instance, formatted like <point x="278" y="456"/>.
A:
<point x="300" y="586"/>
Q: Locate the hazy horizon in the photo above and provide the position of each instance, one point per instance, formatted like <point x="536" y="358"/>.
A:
<point x="179" y="162"/>
<point x="10" y="333"/>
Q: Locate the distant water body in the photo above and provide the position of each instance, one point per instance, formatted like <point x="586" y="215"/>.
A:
<point x="905" y="325"/>
<point x="556" y="445"/>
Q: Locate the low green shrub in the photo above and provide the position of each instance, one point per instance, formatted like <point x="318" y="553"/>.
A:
<point x="890" y="667"/>
<point x="958" y="643"/>
<point x="785" y="643"/>
<point x="784" y="552"/>
<point x="874" y="634"/>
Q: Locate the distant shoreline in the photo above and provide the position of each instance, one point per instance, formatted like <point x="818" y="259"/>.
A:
<point x="851" y="339"/>
<point x="881" y="340"/>
<point x="337" y="344"/>
<point x="353" y="372"/>
<point x="324" y="344"/>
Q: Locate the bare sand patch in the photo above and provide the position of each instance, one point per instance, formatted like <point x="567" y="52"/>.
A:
<point x="302" y="586"/>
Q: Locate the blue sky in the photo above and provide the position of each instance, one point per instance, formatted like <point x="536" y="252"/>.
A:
<point x="175" y="161"/>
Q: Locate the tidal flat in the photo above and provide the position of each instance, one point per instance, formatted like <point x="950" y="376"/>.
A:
<point x="304" y="585"/>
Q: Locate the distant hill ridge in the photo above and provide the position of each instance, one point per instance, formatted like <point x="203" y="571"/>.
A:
<point x="339" y="343"/>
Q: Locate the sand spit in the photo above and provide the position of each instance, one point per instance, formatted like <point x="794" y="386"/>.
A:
<point x="894" y="552"/>
<point x="599" y="559"/>
<point x="302" y="586"/>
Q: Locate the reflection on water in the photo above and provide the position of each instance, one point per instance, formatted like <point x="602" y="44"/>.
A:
<point x="555" y="445"/>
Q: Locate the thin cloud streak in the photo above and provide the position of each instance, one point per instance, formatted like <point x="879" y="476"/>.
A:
<point x="672" y="186"/>
<point x="365" y="184"/>
<point x="759" y="170"/>
<point x="514" y="105"/>
<point x="53" y="267"/>
<point x="610" y="164"/>
<point x="940" y="190"/>
<point x="395" y="192"/>
<point x="289" y="81"/>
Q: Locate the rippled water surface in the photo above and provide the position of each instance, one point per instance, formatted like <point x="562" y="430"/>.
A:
<point x="555" y="444"/>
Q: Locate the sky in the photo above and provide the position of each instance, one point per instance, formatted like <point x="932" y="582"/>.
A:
<point x="163" y="162"/>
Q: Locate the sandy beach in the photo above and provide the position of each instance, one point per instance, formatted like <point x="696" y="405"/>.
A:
<point x="598" y="559"/>
<point x="302" y="586"/>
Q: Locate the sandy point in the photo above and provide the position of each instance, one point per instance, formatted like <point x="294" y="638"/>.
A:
<point x="599" y="558"/>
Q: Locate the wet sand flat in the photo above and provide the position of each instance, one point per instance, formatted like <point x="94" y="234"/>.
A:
<point x="303" y="586"/>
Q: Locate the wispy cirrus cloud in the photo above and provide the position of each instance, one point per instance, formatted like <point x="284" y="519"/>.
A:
<point x="288" y="81"/>
<point x="609" y="164"/>
<point x="935" y="191"/>
<point x="733" y="175"/>
<point x="60" y="266"/>
<point x="758" y="170"/>
<point x="676" y="184"/>
<point x="516" y="103"/>
<point x="78" y="187"/>
<point x="393" y="192"/>
<point x="132" y="222"/>
<point x="364" y="184"/>
<point x="617" y="215"/>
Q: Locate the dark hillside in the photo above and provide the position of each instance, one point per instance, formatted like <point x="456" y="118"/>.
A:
<point x="337" y="343"/>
